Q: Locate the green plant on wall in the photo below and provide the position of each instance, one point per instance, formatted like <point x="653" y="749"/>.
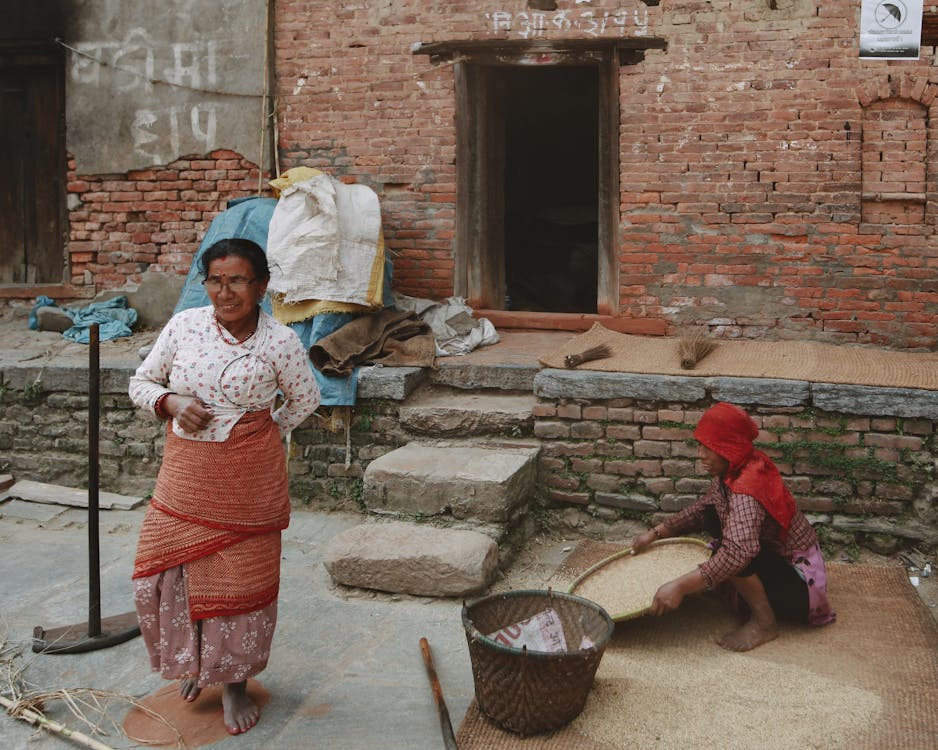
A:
<point x="33" y="391"/>
<point x="833" y="459"/>
<point x="363" y="420"/>
<point x="358" y="492"/>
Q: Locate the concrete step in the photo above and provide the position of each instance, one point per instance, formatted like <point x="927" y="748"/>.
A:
<point x="445" y="412"/>
<point x="488" y="482"/>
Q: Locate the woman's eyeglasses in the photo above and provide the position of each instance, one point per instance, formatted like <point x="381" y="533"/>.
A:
<point x="234" y="283"/>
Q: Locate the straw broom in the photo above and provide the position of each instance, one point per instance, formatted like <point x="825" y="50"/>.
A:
<point x="693" y="345"/>
<point x="595" y="352"/>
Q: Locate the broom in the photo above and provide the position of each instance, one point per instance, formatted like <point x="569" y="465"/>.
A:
<point x="595" y="352"/>
<point x="693" y="345"/>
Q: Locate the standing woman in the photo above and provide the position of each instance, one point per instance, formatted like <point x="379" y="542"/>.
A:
<point x="207" y="571"/>
<point x="766" y="552"/>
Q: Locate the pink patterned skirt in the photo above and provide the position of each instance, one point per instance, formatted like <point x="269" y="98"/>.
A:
<point x="216" y="650"/>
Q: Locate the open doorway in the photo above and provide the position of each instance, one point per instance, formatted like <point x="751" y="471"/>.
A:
<point x="537" y="181"/>
<point x="551" y="188"/>
<point x="537" y="171"/>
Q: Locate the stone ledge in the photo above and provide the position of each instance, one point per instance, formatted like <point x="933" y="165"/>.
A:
<point x="58" y="292"/>
<point x="833" y="397"/>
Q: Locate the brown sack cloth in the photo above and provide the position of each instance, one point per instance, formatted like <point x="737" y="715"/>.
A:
<point x="388" y="337"/>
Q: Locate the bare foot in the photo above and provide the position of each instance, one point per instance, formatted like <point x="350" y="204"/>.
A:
<point x="189" y="689"/>
<point x="241" y="713"/>
<point x="748" y="636"/>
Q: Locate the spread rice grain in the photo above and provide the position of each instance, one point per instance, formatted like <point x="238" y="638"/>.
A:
<point x="626" y="585"/>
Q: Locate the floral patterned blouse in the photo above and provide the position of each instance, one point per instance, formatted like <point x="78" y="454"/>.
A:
<point x="195" y="356"/>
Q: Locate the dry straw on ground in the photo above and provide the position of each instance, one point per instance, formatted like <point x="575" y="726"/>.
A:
<point x="88" y="707"/>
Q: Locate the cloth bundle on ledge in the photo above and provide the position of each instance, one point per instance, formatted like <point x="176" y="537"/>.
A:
<point x="387" y="337"/>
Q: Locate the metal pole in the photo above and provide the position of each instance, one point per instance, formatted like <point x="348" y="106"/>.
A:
<point x="71" y="639"/>
<point x="94" y="556"/>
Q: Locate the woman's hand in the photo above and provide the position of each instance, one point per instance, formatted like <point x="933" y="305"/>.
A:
<point x="190" y="413"/>
<point x="653" y="534"/>
<point x="668" y="597"/>
<point x="643" y="540"/>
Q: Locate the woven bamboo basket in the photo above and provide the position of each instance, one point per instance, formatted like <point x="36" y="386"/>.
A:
<point x="529" y="692"/>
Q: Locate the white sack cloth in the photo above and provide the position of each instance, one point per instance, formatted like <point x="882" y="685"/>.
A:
<point x="323" y="240"/>
<point x="454" y="329"/>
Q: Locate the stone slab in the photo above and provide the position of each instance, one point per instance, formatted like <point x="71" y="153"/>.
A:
<point x="27" y="511"/>
<point x="469" y="481"/>
<point x="445" y="412"/>
<point x="457" y="373"/>
<point x="408" y="558"/>
<point x="41" y="492"/>
<point x="394" y="383"/>
<point x="593" y="385"/>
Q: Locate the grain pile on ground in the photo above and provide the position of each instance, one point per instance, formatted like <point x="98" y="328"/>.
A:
<point x="626" y="584"/>
<point x="753" y="709"/>
<point x="867" y="682"/>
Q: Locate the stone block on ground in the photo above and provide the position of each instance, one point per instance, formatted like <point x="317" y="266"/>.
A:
<point x="408" y="558"/>
<point x="50" y="318"/>
<point x="468" y="481"/>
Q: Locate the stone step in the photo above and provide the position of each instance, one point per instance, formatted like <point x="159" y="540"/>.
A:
<point x="445" y="412"/>
<point x="412" y="558"/>
<point x="490" y="482"/>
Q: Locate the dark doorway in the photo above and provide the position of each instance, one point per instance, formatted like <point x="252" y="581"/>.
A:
<point x="33" y="157"/>
<point x="537" y="181"/>
<point x="551" y="188"/>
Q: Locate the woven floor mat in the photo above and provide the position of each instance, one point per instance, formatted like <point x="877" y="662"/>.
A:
<point x="786" y="360"/>
<point x="867" y="682"/>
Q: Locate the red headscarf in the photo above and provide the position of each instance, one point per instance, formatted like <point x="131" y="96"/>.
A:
<point x="728" y="431"/>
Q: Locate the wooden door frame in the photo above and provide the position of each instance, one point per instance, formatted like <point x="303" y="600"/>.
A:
<point x="478" y="254"/>
<point x="480" y="157"/>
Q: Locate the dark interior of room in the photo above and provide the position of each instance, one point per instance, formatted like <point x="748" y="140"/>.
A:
<point x="551" y="188"/>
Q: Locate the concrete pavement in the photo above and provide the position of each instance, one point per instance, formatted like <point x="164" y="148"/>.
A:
<point x="346" y="671"/>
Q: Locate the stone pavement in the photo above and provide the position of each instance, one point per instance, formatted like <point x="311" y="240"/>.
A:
<point x="346" y="671"/>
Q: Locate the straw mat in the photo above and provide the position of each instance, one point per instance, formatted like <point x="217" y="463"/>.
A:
<point x="867" y="682"/>
<point x="787" y="360"/>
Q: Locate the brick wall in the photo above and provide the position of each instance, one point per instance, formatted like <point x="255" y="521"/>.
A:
<point x="741" y="155"/>
<point x="149" y="219"/>
<point x="859" y="478"/>
<point x="760" y="191"/>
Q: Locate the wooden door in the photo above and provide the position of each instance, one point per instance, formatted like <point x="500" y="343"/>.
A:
<point x="32" y="166"/>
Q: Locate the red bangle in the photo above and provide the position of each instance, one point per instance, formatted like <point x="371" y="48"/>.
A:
<point x="159" y="409"/>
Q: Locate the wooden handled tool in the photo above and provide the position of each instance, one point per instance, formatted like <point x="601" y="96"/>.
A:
<point x="449" y="739"/>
